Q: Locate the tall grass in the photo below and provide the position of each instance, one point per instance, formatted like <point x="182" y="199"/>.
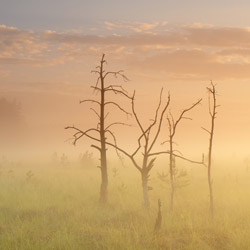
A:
<point x="57" y="208"/>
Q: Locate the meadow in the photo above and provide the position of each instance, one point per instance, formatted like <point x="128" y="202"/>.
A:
<point x="54" y="207"/>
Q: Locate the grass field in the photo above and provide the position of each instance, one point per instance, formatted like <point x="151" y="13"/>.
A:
<point x="51" y="207"/>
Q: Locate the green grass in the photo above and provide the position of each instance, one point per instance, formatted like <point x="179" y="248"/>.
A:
<point x="58" y="209"/>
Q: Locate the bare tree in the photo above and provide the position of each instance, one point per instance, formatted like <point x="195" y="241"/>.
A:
<point x="146" y="142"/>
<point x="212" y="112"/>
<point x="172" y="125"/>
<point x="102" y="129"/>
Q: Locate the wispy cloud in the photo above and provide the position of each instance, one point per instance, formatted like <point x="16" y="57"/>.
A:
<point x="196" y="50"/>
<point x="207" y="36"/>
<point x="193" y="64"/>
<point x="134" y="26"/>
<point x="14" y="41"/>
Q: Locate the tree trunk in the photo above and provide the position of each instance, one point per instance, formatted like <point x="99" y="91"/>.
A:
<point x="104" y="176"/>
<point x="171" y="170"/>
<point x="172" y="194"/>
<point x="210" y="184"/>
<point x="104" y="171"/>
<point x="211" y="195"/>
<point x="144" y="176"/>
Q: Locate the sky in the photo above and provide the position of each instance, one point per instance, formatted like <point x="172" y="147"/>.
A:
<point x="48" y="49"/>
<point x="63" y="14"/>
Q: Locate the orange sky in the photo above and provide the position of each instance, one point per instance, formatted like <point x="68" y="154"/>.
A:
<point x="49" y="72"/>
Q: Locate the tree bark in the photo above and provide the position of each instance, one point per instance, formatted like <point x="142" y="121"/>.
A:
<point x="210" y="184"/>
<point x="144" y="176"/>
<point x="104" y="171"/>
<point x="213" y="116"/>
<point x="104" y="179"/>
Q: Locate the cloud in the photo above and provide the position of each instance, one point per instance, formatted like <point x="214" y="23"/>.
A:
<point x="21" y="47"/>
<point x="196" y="50"/>
<point x="192" y="65"/>
<point x="207" y="36"/>
<point x="14" y="41"/>
<point x="217" y="36"/>
<point x="134" y="26"/>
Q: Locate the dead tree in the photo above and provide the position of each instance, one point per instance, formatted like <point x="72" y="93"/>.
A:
<point x="102" y="130"/>
<point x="172" y="125"/>
<point x="212" y="112"/>
<point x="146" y="142"/>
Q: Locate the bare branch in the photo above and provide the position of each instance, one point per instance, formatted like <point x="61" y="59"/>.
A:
<point x="170" y="125"/>
<point x="95" y="112"/>
<point x="80" y="133"/>
<point x="116" y="74"/>
<point x="96" y="147"/>
<point x="206" y="130"/>
<point x="117" y="105"/>
<point x="160" y="123"/>
<point x="159" y="153"/>
<point x="85" y="133"/>
<point x="191" y="161"/>
<point x="90" y="100"/>
<point x="187" y="118"/>
<point x="106" y="116"/>
<point x="114" y="138"/>
<point x="139" y="145"/>
<point x="121" y="92"/>
<point x="117" y="123"/>
<point x="117" y="86"/>
<point x="178" y="151"/>
<point x="183" y="113"/>
<point x="177" y="156"/>
<point x="172" y="118"/>
<point x="136" y="117"/>
<point x="168" y="142"/>
<point x="95" y="88"/>
<point x="155" y="118"/>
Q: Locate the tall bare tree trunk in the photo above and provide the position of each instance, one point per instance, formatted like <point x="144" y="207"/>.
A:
<point x="213" y="116"/>
<point x="171" y="173"/>
<point x="210" y="184"/>
<point x="212" y="112"/>
<point x="144" y="176"/>
<point x="104" y="171"/>
<point x="102" y="130"/>
<point x="104" y="176"/>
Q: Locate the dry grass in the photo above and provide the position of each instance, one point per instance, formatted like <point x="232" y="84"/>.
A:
<point x="57" y="208"/>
